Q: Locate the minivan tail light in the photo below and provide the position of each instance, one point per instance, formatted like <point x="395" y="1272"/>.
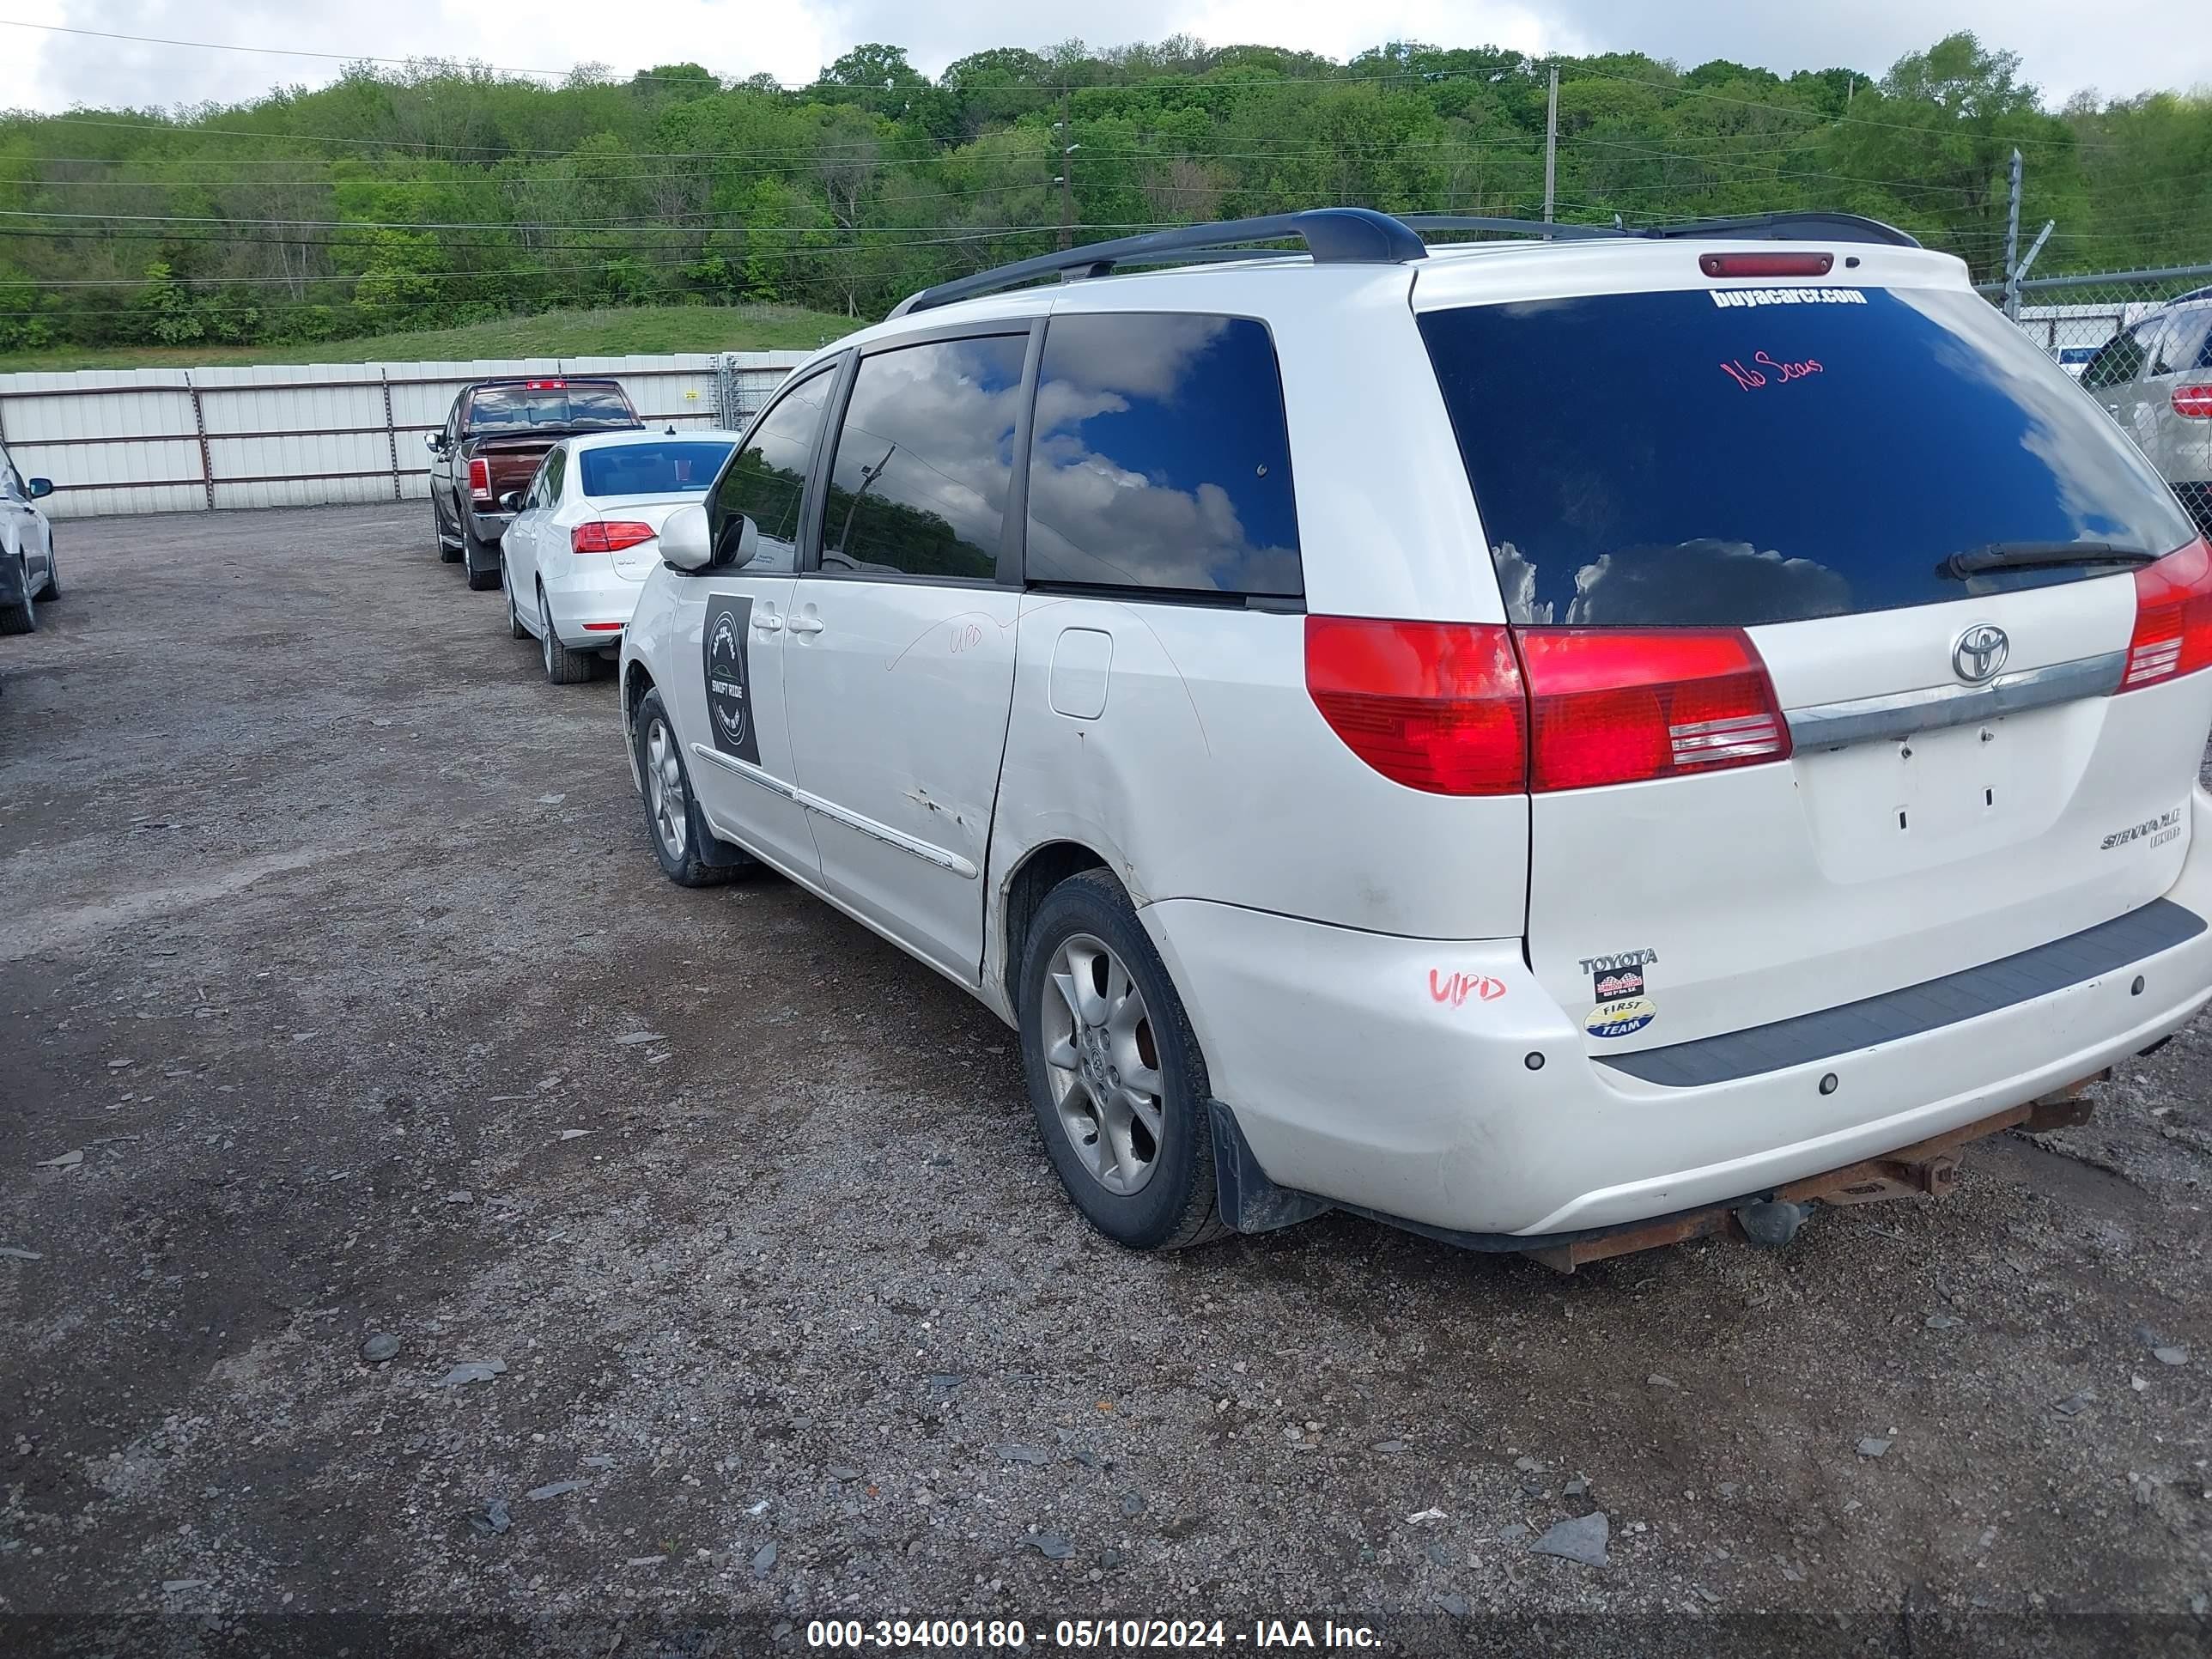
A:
<point x="480" y="479"/>
<point x="602" y="536"/>
<point x="1622" y="705"/>
<point x="1438" y="707"/>
<point x="2193" y="401"/>
<point x="1766" y="264"/>
<point x="2173" y="618"/>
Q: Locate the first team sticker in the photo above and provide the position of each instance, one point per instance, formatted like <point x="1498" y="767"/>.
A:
<point x="1620" y="987"/>
<point x="729" y="676"/>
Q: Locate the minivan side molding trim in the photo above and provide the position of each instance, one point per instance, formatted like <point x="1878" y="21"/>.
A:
<point x="1900" y="713"/>
<point x="925" y="851"/>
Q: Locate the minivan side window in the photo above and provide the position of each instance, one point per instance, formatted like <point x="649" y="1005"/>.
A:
<point x="925" y="459"/>
<point x="766" y="480"/>
<point x="1162" y="460"/>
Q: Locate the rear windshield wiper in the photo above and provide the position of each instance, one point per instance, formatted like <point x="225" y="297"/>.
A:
<point x="2039" y="555"/>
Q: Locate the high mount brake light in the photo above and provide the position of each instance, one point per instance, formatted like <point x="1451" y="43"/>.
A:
<point x="603" y="536"/>
<point x="545" y="385"/>
<point x="1766" y="264"/>
<point x="1473" y="709"/>
<point x="2173" y="618"/>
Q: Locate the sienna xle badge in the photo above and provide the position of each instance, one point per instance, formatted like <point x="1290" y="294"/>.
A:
<point x="1372" y="772"/>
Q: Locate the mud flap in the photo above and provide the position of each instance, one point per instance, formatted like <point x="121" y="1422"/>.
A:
<point x="1249" y="1201"/>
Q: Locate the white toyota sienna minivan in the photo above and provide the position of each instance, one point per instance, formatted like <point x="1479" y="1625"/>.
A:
<point x="1557" y="743"/>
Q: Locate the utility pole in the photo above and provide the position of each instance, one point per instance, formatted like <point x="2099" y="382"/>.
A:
<point x="1065" y="128"/>
<point x="2012" y="225"/>
<point x="1551" y="148"/>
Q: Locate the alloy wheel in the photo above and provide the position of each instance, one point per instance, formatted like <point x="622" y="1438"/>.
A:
<point x="664" y="789"/>
<point x="1103" y="1065"/>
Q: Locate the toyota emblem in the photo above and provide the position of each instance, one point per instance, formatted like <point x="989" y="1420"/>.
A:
<point x="1980" y="652"/>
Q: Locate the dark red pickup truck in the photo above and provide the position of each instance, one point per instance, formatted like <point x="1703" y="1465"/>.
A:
<point x="494" y="437"/>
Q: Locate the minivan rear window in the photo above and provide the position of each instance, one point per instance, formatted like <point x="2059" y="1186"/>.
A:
<point x="1745" y="455"/>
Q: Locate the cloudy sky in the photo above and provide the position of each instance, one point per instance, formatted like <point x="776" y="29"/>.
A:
<point x="2118" y="46"/>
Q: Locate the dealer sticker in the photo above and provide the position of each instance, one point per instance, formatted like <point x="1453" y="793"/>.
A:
<point x="1619" y="983"/>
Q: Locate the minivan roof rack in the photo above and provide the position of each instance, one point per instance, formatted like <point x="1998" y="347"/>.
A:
<point x="1332" y="236"/>
<point x="1344" y="235"/>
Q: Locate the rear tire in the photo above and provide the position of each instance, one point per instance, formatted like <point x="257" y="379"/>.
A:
<point x="21" y="618"/>
<point x="480" y="562"/>
<point x="562" y="666"/>
<point x="446" y="551"/>
<point x="1115" y="1078"/>
<point x="689" y="853"/>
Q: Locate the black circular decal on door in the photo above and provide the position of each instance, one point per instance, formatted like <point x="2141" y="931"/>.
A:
<point x="729" y="680"/>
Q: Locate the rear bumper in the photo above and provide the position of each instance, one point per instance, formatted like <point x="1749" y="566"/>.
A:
<point x="1435" y="1081"/>
<point x="591" y="611"/>
<point x="489" y="527"/>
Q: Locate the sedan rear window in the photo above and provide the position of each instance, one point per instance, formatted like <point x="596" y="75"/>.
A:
<point x="518" y="409"/>
<point x="674" y="468"/>
<point x="1747" y="455"/>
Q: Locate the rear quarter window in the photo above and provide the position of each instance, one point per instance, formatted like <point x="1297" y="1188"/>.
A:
<point x="1161" y="461"/>
<point x="1742" y="456"/>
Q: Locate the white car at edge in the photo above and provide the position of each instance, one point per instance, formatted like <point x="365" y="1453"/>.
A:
<point x="584" y="537"/>
<point x="1558" y="744"/>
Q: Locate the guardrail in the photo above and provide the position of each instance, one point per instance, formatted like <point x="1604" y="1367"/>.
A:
<point x="152" y="441"/>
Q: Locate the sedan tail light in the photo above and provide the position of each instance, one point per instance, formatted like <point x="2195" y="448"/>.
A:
<point x="2173" y="618"/>
<point x="604" y="536"/>
<point x="2193" y="401"/>
<point x="479" y="480"/>
<point x="1620" y="705"/>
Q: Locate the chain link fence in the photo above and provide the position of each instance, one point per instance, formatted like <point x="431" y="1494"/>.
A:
<point x="2140" y="343"/>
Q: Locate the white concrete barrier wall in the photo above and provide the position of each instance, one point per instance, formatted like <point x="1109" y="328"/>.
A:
<point x="168" y="440"/>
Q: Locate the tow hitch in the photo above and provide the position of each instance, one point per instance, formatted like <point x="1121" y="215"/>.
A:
<point x="1926" y="1168"/>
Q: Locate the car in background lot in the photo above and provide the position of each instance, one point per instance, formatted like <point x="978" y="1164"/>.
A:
<point x="494" y="436"/>
<point x="29" y="576"/>
<point x="1371" y="769"/>
<point x="585" y="533"/>
<point x="2155" y="378"/>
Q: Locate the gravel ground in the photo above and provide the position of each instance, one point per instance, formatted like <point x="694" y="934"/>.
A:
<point x="334" y="947"/>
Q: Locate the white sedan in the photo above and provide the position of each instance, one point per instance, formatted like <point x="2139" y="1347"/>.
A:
<point x="586" y="535"/>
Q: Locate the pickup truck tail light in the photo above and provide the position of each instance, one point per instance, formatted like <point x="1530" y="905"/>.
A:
<point x="608" y="536"/>
<point x="2173" y="618"/>
<point x="2193" y="402"/>
<point x="480" y="480"/>
<point x="1475" y="709"/>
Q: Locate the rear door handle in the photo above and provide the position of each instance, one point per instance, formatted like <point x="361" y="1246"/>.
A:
<point x="806" y="624"/>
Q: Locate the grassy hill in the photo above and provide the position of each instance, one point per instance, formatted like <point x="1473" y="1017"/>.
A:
<point x="609" y="333"/>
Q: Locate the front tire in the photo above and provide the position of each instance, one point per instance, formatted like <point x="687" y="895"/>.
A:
<point x="52" y="590"/>
<point x="688" y="853"/>
<point x="1115" y="1078"/>
<point x="515" y="631"/>
<point x="23" y="617"/>
<point x="478" y="560"/>
<point x="446" y="551"/>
